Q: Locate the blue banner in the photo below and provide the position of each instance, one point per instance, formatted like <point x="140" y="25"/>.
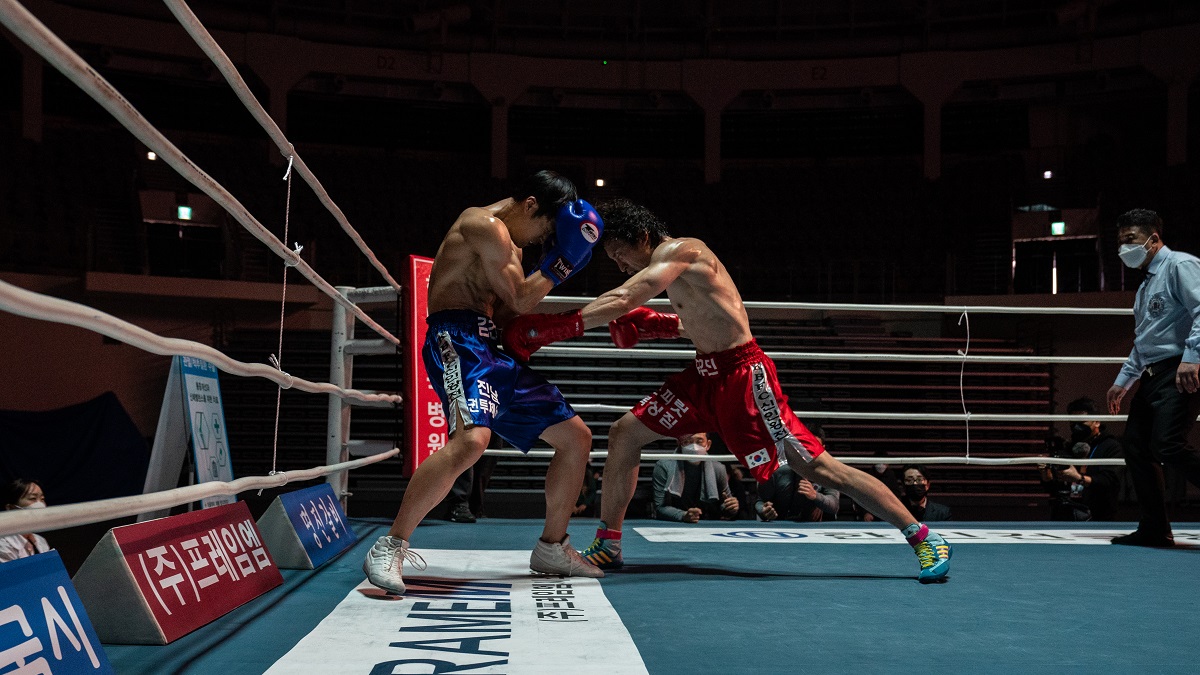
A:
<point x="317" y="516"/>
<point x="43" y="627"/>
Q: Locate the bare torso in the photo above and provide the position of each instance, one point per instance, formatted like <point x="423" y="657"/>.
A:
<point x="459" y="279"/>
<point x="704" y="296"/>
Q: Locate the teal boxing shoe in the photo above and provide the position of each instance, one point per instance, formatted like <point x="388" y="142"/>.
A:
<point x="933" y="553"/>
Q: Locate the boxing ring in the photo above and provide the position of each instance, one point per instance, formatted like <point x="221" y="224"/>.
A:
<point x="778" y="597"/>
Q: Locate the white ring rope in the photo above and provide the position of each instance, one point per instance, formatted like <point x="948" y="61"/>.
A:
<point x="71" y="515"/>
<point x="56" y="52"/>
<point x="16" y="300"/>
<point x="888" y="416"/>
<point x="845" y="307"/>
<point x="884" y="416"/>
<point x="852" y="459"/>
<point x="688" y="354"/>
<point x="205" y="40"/>
<point x="962" y="370"/>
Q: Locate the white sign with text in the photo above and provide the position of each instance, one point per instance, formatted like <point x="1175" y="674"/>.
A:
<point x="471" y="611"/>
<point x="775" y="534"/>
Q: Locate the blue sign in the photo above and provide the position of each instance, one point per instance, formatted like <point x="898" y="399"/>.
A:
<point x="317" y="517"/>
<point x="43" y="627"/>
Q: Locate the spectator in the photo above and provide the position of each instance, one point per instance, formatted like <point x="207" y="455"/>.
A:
<point x="22" y="494"/>
<point x="589" y="493"/>
<point x="1166" y="360"/>
<point x="690" y="490"/>
<point x="1066" y="494"/>
<point x="737" y="487"/>
<point x="788" y="496"/>
<point x="466" y="494"/>
<point x="1096" y="487"/>
<point x="916" y="495"/>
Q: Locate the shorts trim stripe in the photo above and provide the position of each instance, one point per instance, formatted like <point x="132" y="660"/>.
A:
<point x="768" y="410"/>
<point x="453" y="384"/>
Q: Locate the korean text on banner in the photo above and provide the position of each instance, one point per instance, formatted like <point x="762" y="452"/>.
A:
<point x="425" y="422"/>
<point x="43" y="626"/>
<point x="319" y="521"/>
<point x="195" y="567"/>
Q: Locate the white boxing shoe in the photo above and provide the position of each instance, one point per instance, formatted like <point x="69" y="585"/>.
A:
<point x="384" y="561"/>
<point x="561" y="559"/>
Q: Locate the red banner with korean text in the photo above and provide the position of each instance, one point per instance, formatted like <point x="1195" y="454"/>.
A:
<point x="424" y="421"/>
<point x="195" y="567"/>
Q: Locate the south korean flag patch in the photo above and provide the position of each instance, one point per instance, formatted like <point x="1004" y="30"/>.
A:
<point x="757" y="458"/>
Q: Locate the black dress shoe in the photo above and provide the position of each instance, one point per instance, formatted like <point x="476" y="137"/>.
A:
<point x="1139" y="538"/>
<point x="461" y="513"/>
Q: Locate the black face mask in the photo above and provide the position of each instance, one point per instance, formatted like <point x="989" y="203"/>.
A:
<point x="1080" y="432"/>
<point x="916" y="492"/>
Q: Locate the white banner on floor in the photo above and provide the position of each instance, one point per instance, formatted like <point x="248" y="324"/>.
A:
<point x="470" y="612"/>
<point x="777" y="534"/>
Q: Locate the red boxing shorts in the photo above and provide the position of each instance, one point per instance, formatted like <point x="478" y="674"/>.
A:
<point x="735" y="394"/>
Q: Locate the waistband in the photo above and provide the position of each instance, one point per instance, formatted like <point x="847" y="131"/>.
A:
<point x="729" y="359"/>
<point x="466" y="320"/>
<point x="1164" y="366"/>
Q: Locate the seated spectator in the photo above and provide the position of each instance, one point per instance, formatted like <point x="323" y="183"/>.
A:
<point x="1086" y="492"/>
<point x="745" y="496"/>
<point x="688" y="491"/>
<point x="916" y="495"/>
<point x="22" y="494"/>
<point x="788" y="496"/>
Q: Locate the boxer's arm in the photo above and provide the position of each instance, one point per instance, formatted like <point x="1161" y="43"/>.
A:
<point x="501" y="262"/>
<point x="667" y="263"/>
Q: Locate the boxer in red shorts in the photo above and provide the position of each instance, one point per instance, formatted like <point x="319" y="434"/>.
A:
<point x="730" y="389"/>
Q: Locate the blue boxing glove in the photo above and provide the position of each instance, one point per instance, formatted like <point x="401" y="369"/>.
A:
<point x="577" y="228"/>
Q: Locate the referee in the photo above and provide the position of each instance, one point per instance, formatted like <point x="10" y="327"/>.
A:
<point x="1166" y="357"/>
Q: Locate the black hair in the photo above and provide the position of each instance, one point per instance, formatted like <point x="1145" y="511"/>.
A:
<point x="12" y="491"/>
<point x="916" y="467"/>
<point x="551" y="189"/>
<point x="1143" y="220"/>
<point x="630" y="223"/>
<point x="1082" y="405"/>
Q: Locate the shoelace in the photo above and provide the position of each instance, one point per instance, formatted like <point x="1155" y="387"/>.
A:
<point x="414" y="559"/>
<point x="926" y="555"/>
<point x="596" y="546"/>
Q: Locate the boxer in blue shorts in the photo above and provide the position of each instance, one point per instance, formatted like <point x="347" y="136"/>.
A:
<point x="485" y="386"/>
<point x="477" y="281"/>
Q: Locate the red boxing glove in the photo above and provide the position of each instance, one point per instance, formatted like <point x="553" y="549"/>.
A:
<point x="528" y="333"/>
<point x="643" y="323"/>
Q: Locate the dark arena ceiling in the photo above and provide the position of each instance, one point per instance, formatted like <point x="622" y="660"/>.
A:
<point x="681" y="29"/>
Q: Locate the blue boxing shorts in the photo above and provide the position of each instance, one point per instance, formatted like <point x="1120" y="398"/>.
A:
<point x="484" y="385"/>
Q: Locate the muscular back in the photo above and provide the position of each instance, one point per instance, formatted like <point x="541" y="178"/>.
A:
<point x="705" y="297"/>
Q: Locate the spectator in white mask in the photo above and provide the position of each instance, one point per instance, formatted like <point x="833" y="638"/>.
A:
<point x="18" y="495"/>
<point x="692" y="490"/>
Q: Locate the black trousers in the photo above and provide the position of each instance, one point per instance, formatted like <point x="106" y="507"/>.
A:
<point x="1160" y="418"/>
<point x="471" y="484"/>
